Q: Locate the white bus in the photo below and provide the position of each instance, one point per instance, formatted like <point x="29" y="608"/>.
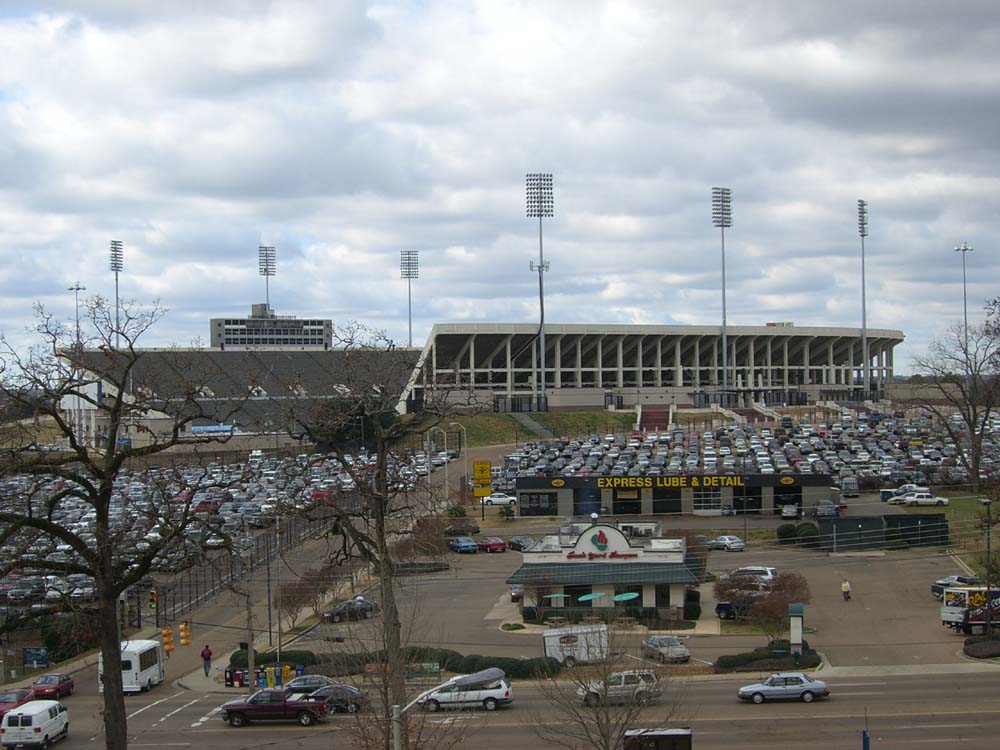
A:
<point x="142" y="666"/>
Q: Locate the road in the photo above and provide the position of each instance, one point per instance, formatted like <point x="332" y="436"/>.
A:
<point x="925" y="711"/>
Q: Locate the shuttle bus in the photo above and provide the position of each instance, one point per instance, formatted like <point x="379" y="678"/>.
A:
<point x="142" y="666"/>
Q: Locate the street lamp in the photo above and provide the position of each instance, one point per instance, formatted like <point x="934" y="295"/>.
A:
<point x="116" y="262"/>
<point x="963" y="249"/>
<point x="268" y="266"/>
<point x="443" y="432"/>
<point x="409" y="269"/>
<point x="987" y="502"/>
<point x="863" y="232"/>
<point x="464" y="447"/>
<point x="538" y="189"/>
<point x="722" y="217"/>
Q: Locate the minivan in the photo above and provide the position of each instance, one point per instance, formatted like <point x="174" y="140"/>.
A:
<point x="487" y="689"/>
<point x="34" y="724"/>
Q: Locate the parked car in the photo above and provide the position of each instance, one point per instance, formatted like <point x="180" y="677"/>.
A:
<point x="825" y="509"/>
<point x="272" y="705"/>
<point x="308" y="683"/>
<point x="785" y="686"/>
<point x="488" y="688"/>
<point x="760" y="572"/>
<point x="938" y="587"/>
<point x="665" y="648"/>
<point x="636" y="686"/>
<point x="790" y="511"/>
<point x="516" y="592"/>
<point x="924" y="498"/>
<point x="727" y="542"/>
<point x="520" y="543"/>
<point x="340" y="697"/>
<point x="492" y="544"/>
<point x="13" y="698"/>
<point x="462" y="528"/>
<point x="463" y="544"/>
<point x="352" y="609"/>
<point x="499" y="498"/>
<point x="52" y="686"/>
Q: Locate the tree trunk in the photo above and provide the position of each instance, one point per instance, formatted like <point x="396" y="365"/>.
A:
<point x="115" y="723"/>
<point x="395" y="675"/>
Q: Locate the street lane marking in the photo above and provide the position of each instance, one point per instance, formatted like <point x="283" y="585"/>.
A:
<point x="207" y="717"/>
<point x="167" y="716"/>
<point x="154" y="703"/>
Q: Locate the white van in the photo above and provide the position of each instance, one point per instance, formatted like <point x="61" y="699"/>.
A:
<point x="34" y="724"/>
<point x="142" y="666"/>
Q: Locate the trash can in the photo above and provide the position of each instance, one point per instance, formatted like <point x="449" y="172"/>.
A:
<point x="300" y="669"/>
<point x="229" y="677"/>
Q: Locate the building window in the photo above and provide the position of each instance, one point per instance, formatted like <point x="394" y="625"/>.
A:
<point x="538" y="503"/>
<point x="707" y="498"/>
<point x="667" y="500"/>
<point x="626" y="502"/>
<point x="573" y="594"/>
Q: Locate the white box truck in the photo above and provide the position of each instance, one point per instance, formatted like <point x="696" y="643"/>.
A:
<point x="577" y="644"/>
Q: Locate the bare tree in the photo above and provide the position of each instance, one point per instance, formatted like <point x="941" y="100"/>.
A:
<point x="591" y="706"/>
<point x="538" y="587"/>
<point x="97" y="395"/>
<point x="962" y="372"/>
<point x="293" y="598"/>
<point x="374" y="382"/>
<point x="770" y="612"/>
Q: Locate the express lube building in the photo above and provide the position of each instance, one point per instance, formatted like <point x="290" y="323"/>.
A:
<point x="688" y="494"/>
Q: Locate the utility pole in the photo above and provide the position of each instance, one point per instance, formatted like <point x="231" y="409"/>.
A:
<point x="250" y="654"/>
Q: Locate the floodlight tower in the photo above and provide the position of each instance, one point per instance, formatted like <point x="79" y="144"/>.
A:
<point x="722" y="217"/>
<point x="538" y="188"/>
<point x="268" y="267"/>
<point x="863" y="232"/>
<point x="76" y="289"/>
<point x="409" y="269"/>
<point x="116" y="262"/>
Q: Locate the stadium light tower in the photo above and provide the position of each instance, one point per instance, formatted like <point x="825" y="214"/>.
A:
<point x="268" y="266"/>
<point x="76" y="289"/>
<point x="722" y="217"/>
<point x="963" y="249"/>
<point x="409" y="269"/>
<point x="538" y="189"/>
<point x="863" y="232"/>
<point x="116" y="262"/>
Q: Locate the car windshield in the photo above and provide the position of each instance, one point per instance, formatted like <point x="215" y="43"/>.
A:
<point x="12" y="697"/>
<point x="49" y="679"/>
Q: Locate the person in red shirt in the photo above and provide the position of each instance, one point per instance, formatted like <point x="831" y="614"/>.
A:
<point x="206" y="658"/>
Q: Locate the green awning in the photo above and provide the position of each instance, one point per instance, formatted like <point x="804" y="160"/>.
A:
<point x="569" y="574"/>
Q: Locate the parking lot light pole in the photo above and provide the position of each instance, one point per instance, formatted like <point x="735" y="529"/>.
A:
<point x="964" y="249"/>
<point x="722" y="218"/>
<point x="465" y="451"/>
<point x="538" y="189"/>
<point x="987" y="502"/>
<point x="430" y="468"/>
<point x="863" y="232"/>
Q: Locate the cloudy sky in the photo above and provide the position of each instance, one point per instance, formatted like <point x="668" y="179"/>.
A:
<point x="345" y="132"/>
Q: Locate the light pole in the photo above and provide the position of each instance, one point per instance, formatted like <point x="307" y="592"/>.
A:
<point x="268" y="266"/>
<point x="963" y="249"/>
<point x="443" y="432"/>
<point x="76" y="289"/>
<point x="465" y="451"/>
<point x="722" y="217"/>
<point x="863" y="232"/>
<point x="409" y="269"/>
<point x="538" y="189"/>
<point x="987" y="502"/>
<point x="116" y="263"/>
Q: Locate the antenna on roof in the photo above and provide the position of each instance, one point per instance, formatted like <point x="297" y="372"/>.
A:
<point x="268" y="267"/>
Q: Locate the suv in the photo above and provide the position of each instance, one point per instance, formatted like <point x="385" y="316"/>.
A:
<point x="637" y="686"/>
<point x="462" y="528"/>
<point x="824" y="509"/>
<point x="665" y="648"/>
<point x="766" y="575"/>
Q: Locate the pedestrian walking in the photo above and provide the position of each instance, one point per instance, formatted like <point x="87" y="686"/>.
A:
<point x="845" y="589"/>
<point x="206" y="659"/>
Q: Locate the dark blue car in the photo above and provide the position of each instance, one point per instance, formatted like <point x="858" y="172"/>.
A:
<point x="463" y="544"/>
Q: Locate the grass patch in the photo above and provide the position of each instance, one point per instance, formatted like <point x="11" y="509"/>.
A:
<point x="575" y="424"/>
<point x="512" y="626"/>
<point x="731" y="627"/>
<point x="491" y="429"/>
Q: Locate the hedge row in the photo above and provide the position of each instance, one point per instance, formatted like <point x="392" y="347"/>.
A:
<point x="763" y="659"/>
<point x="982" y="646"/>
<point x="806" y="534"/>
<point x="342" y="664"/>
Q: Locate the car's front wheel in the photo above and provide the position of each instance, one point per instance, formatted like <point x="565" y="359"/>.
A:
<point x="433" y="706"/>
<point x="489" y="502"/>
<point x="237" y="720"/>
<point x="807" y="697"/>
<point x="758" y="698"/>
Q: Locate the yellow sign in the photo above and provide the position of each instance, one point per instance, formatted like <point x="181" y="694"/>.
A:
<point x="482" y="491"/>
<point x="481" y="472"/>
<point x="670" y="482"/>
<point x="787" y="480"/>
<point x="558" y="482"/>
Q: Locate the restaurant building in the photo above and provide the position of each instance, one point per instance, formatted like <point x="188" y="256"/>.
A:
<point x="687" y="494"/>
<point x="608" y="565"/>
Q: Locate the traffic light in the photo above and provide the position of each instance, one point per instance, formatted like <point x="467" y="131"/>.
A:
<point x="168" y="640"/>
<point x="152" y="598"/>
<point x="185" y="634"/>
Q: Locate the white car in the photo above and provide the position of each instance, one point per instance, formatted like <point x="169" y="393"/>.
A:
<point x="924" y="498"/>
<point x="487" y="689"/>
<point x="727" y="542"/>
<point x="499" y="498"/>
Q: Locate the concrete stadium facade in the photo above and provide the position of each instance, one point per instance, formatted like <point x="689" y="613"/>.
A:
<point x="590" y="366"/>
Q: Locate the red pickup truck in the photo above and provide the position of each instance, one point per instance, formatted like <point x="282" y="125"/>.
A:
<point x="272" y="705"/>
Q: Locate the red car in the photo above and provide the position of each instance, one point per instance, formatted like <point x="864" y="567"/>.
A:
<point x="492" y="544"/>
<point x="53" y="686"/>
<point x="13" y="698"/>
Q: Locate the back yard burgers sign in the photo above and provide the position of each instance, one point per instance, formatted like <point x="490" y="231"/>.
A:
<point x="602" y="543"/>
